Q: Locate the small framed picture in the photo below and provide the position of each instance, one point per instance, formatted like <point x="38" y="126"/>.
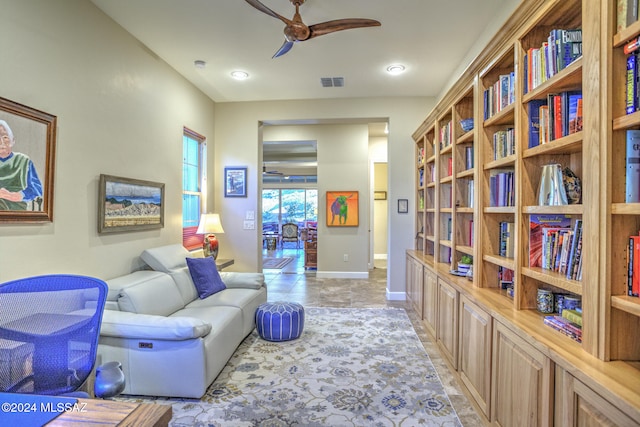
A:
<point x="235" y="182"/>
<point x="403" y="205"/>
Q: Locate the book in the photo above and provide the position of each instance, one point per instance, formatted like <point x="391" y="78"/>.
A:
<point x="536" y="225"/>
<point x="633" y="284"/>
<point x="575" y="254"/>
<point x="533" y="109"/>
<point x="631" y="99"/>
<point x="574" y="124"/>
<point x="507" y="238"/>
<point x="632" y="178"/>
<point x="572" y="316"/>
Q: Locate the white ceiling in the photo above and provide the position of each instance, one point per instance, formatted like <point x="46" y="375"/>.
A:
<point x="430" y="37"/>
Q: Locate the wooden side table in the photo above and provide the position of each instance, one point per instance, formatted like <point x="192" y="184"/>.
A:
<point x="224" y="263"/>
<point x="97" y="412"/>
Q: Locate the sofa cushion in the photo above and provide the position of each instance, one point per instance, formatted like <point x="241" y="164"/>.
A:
<point x="159" y="296"/>
<point x="144" y="326"/>
<point x="116" y="285"/>
<point x="165" y="258"/>
<point x="242" y="280"/>
<point x="205" y="276"/>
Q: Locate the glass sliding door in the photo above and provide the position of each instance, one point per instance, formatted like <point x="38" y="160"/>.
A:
<point x="280" y="206"/>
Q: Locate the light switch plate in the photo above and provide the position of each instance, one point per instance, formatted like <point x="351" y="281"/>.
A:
<point x="249" y="225"/>
<point x="250" y="215"/>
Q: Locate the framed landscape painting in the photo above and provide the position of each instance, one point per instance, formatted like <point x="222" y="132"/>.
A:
<point x="342" y="209"/>
<point x="127" y="204"/>
<point x="28" y="148"/>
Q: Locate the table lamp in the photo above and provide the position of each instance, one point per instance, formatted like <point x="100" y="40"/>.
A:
<point x="209" y="224"/>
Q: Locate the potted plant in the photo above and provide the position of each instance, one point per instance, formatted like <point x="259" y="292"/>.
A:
<point x="465" y="263"/>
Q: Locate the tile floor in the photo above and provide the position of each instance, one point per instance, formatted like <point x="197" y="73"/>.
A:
<point x="294" y="283"/>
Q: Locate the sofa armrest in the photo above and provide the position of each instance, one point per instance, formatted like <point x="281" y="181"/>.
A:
<point x="242" y="280"/>
<point x="121" y="324"/>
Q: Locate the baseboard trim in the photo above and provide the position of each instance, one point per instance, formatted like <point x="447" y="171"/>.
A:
<point x="396" y="296"/>
<point x="342" y="274"/>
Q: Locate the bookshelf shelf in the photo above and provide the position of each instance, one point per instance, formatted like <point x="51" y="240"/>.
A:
<point x="625" y="208"/>
<point x="569" y="78"/>
<point x="468" y="173"/>
<point x="465" y="249"/>
<point x="626" y="34"/>
<point x="464" y="210"/>
<point x="499" y="261"/>
<point x="466" y="137"/>
<point x="499" y="210"/>
<point x="564" y="209"/>
<point x="501" y="163"/>
<point x="554" y="279"/>
<point x="566" y="145"/>
<point x="626" y="303"/>
<point x="446" y="180"/>
<point x="504" y="117"/>
<point x="627" y="121"/>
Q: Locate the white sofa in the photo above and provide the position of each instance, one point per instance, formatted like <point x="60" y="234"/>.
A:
<point x="169" y="341"/>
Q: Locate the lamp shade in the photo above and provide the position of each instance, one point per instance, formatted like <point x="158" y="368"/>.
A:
<point x="209" y="223"/>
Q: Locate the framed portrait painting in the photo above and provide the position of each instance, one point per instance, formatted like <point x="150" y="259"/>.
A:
<point x="235" y="182"/>
<point x="342" y="209"/>
<point x="27" y="161"/>
<point x="126" y="204"/>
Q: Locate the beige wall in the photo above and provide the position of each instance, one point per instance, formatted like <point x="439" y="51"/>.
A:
<point x="120" y="111"/>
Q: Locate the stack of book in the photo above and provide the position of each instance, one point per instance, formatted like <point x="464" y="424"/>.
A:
<point x="554" y="245"/>
<point x="633" y="266"/>
<point x="446" y="135"/>
<point x="562" y="47"/>
<point x="507" y="230"/>
<point x="564" y="326"/>
<point x="504" y="143"/>
<point x="501" y="188"/>
<point x="499" y="95"/>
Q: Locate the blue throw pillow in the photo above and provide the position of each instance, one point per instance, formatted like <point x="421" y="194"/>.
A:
<point x="205" y="276"/>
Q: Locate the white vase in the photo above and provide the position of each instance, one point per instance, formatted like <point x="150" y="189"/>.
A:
<point x="552" y="191"/>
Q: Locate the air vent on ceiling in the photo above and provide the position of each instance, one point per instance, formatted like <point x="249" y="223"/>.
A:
<point x="332" y="81"/>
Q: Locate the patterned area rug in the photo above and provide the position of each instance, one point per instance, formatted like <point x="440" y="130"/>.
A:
<point x="275" y="263"/>
<point x="350" y="367"/>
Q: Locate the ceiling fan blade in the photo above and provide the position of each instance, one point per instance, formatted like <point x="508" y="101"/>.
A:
<point x="286" y="47"/>
<point x="341" y="24"/>
<point x="264" y="9"/>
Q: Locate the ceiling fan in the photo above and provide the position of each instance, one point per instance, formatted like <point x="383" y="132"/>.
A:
<point x="273" y="172"/>
<point x="297" y="31"/>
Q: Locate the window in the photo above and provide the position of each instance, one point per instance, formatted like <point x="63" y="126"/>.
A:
<point x="280" y="206"/>
<point x="194" y="178"/>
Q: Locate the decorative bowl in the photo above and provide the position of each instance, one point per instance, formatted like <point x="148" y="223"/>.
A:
<point x="467" y="124"/>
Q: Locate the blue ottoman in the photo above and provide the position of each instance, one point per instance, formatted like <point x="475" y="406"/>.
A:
<point x="280" y="321"/>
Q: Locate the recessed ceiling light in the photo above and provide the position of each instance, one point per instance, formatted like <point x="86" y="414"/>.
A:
<point x="199" y="63"/>
<point x="239" y="75"/>
<point x="395" y="69"/>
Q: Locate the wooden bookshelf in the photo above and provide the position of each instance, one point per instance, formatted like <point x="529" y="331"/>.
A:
<point x="509" y="326"/>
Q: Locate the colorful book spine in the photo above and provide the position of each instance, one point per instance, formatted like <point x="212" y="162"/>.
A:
<point x="533" y="108"/>
<point x="631" y="103"/>
<point x="632" y="179"/>
<point x="572" y="316"/>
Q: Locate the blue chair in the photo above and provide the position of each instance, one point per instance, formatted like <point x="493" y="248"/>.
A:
<point x="49" y="330"/>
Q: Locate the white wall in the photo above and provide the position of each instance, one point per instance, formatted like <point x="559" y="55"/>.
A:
<point x="120" y="111"/>
<point x="237" y="143"/>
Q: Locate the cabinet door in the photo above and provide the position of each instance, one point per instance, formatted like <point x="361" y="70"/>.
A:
<point x="447" y="328"/>
<point x="430" y="300"/>
<point x="578" y="405"/>
<point x="522" y="382"/>
<point x="475" y="352"/>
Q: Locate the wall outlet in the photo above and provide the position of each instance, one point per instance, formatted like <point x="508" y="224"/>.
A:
<point x="345" y="257"/>
<point x="249" y="225"/>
